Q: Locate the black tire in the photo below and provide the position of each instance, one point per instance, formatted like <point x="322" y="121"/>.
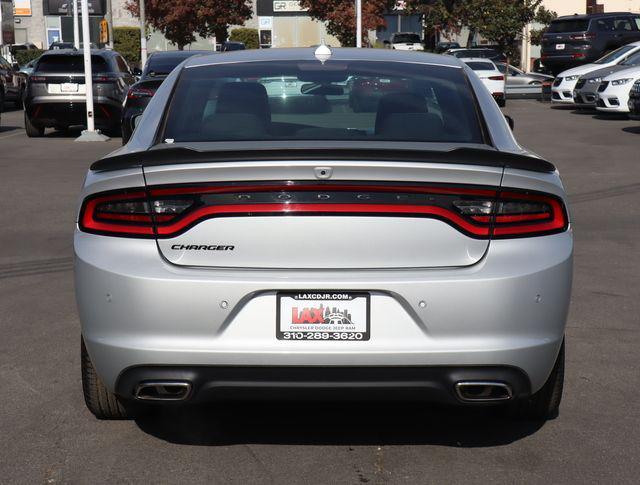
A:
<point x="19" y="102"/>
<point x="545" y="403"/>
<point x="102" y="403"/>
<point x="32" y="130"/>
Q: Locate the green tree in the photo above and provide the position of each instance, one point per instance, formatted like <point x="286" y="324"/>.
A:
<point x="126" y="40"/>
<point x="438" y="15"/>
<point x="249" y="37"/>
<point x="543" y="17"/>
<point x="500" y="21"/>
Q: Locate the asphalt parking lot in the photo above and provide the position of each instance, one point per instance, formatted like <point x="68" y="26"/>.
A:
<point x="48" y="436"/>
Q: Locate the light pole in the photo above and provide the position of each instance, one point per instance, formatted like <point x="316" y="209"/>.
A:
<point x="358" y="23"/>
<point x="90" y="134"/>
<point x="143" y="36"/>
<point x="76" y="33"/>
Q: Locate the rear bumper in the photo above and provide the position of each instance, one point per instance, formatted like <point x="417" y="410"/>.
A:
<point x="509" y="309"/>
<point x="210" y="383"/>
<point x="47" y="112"/>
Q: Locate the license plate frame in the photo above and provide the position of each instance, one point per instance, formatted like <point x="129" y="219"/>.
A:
<point x="348" y="319"/>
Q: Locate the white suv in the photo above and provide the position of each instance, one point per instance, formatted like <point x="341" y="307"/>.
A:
<point x="565" y="82"/>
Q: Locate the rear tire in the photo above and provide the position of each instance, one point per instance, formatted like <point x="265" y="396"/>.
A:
<point x="545" y="403"/>
<point x="102" y="403"/>
<point x="32" y="130"/>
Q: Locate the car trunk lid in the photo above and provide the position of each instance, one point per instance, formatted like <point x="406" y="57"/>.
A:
<point x="310" y="215"/>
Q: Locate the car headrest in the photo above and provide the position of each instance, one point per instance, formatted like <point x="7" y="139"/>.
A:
<point x="244" y="97"/>
<point x="399" y="103"/>
<point x="412" y="126"/>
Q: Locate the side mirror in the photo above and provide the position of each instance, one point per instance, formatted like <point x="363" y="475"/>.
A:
<point x="512" y="124"/>
<point x="15" y="66"/>
<point x="137" y="71"/>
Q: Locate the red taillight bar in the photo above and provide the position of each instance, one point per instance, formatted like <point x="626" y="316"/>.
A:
<point x="178" y="208"/>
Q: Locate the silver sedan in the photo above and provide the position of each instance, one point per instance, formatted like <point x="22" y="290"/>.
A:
<point x="523" y="84"/>
<point x="414" y="251"/>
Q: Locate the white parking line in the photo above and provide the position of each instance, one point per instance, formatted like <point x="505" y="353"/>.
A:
<point x="12" y="134"/>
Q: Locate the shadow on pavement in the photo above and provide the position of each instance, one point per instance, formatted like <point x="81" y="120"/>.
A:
<point x="632" y="129"/>
<point x="611" y="116"/>
<point x="4" y="128"/>
<point x="333" y="423"/>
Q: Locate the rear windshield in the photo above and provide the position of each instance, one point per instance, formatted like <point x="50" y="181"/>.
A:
<point x="163" y="65"/>
<point x="570" y="25"/>
<point x="480" y="66"/>
<point x="337" y="100"/>
<point x="616" y="54"/>
<point x="405" y="38"/>
<point x="70" y="64"/>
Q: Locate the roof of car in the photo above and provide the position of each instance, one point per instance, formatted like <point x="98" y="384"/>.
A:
<point x="179" y="54"/>
<point x="338" y="53"/>
<point x="592" y="16"/>
<point x="78" y="52"/>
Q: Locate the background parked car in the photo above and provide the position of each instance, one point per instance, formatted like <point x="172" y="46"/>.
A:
<point x="565" y="83"/>
<point x="585" y="93"/>
<point x="405" y="41"/>
<point x="634" y="101"/>
<point x="613" y="92"/>
<point x="445" y="46"/>
<point x="12" y="83"/>
<point x="578" y="39"/>
<point x="55" y="94"/>
<point x="230" y="45"/>
<point x="158" y="67"/>
<point x="476" y="52"/>
<point x="520" y="83"/>
<point x="490" y="76"/>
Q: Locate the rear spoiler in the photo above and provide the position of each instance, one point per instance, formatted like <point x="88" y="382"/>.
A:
<point x="463" y="156"/>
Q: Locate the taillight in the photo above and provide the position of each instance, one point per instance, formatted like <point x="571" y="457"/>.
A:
<point x="105" y="78"/>
<point x="579" y="55"/>
<point x="517" y="214"/>
<point x="496" y="78"/>
<point x="37" y="79"/>
<point x="137" y="93"/>
<point x="128" y="213"/>
<point x="478" y="212"/>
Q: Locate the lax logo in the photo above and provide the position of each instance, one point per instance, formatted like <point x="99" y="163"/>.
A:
<point x="321" y="314"/>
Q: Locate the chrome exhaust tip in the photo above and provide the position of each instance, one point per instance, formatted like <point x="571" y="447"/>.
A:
<point x="483" y="391"/>
<point x="163" y="391"/>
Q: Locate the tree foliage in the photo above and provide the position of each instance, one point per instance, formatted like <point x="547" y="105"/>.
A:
<point x="438" y="15"/>
<point x="180" y="21"/>
<point x="543" y="17"/>
<point x="500" y="21"/>
<point x="340" y="16"/>
<point x="249" y="37"/>
<point x="26" y="56"/>
<point x="126" y="40"/>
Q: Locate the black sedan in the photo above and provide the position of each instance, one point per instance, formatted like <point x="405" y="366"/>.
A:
<point x="158" y="67"/>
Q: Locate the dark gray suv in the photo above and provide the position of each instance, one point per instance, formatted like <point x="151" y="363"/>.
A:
<point x="578" y="39"/>
<point x="55" y="93"/>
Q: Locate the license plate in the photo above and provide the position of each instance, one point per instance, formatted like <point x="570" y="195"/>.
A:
<point x="69" y="87"/>
<point x="323" y="315"/>
<point x="559" y="47"/>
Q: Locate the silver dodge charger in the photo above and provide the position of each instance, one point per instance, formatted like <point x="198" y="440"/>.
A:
<point x="258" y="238"/>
